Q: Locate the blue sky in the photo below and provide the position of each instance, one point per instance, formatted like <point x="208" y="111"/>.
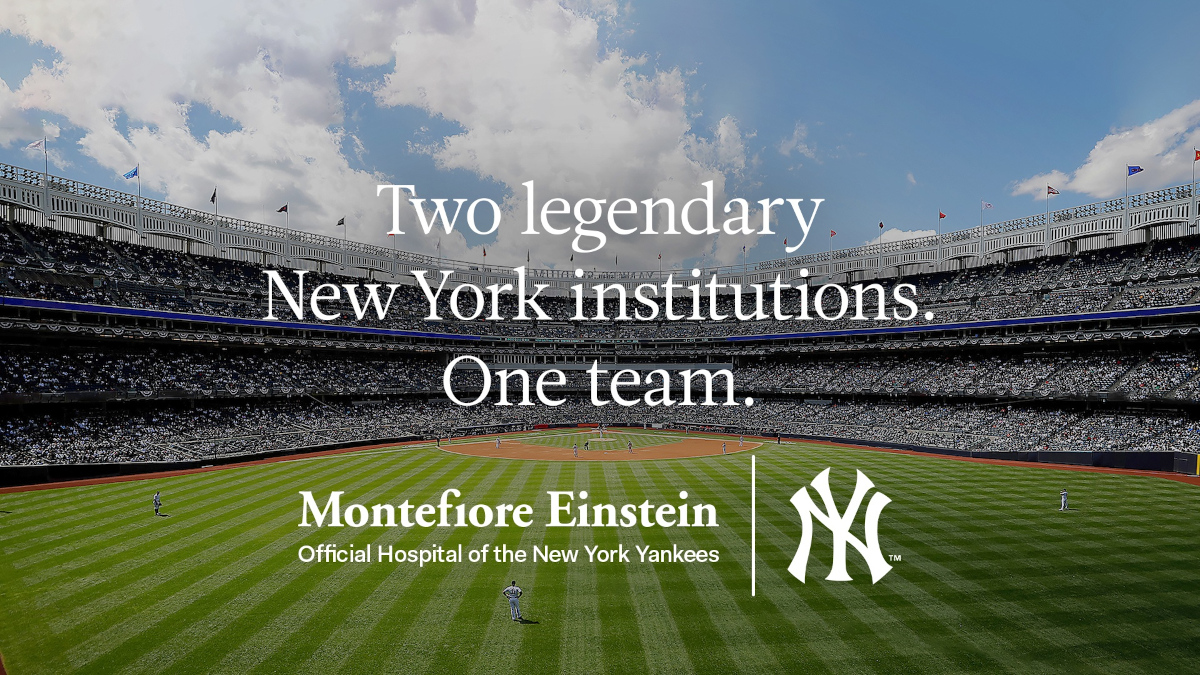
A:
<point x="904" y="109"/>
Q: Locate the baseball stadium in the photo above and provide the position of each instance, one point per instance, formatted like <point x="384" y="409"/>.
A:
<point x="1055" y="355"/>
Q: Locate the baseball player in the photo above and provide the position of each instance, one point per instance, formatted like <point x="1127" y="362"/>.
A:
<point x="158" y="502"/>
<point x="497" y="443"/>
<point x="575" y="449"/>
<point x="629" y="446"/>
<point x="1063" y="495"/>
<point x="513" y="593"/>
<point x="722" y="447"/>
<point x="587" y="445"/>
<point x="741" y="439"/>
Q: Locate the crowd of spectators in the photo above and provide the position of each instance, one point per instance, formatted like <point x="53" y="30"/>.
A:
<point x="49" y="264"/>
<point x="214" y="430"/>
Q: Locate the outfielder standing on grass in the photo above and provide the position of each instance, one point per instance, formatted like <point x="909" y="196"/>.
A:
<point x="1063" y="494"/>
<point x="513" y="593"/>
<point x="157" y="502"/>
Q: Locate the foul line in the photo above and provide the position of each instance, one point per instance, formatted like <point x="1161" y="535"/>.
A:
<point x="753" y="522"/>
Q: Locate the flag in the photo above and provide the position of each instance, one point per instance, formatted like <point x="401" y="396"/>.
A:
<point x="37" y="145"/>
<point x="785" y="242"/>
<point x="282" y="209"/>
<point x="832" y="233"/>
<point x="526" y="255"/>
<point x="341" y="221"/>
<point x="132" y="173"/>
<point x="660" y="255"/>
<point x="1197" y="155"/>
<point x="485" y="251"/>
<point x="1051" y="191"/>
<point x="1133" y="168"/>
<point x="614" y="261"/>
<point x="572" y="257"/>
<point x="881" y="224"/>
<point x="941" y="215"/>
<point x="985" y="205"/>
<point x="213" y="198"/>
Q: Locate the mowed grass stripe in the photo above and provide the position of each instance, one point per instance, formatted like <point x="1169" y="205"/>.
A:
<point x="296" y="629"/>
<point x="452" y="627"/>
<point x="582" y="634"/>
<point x="917" y="598"/>
<point x="188" y="530"/>
<point x="791" y="615"/>
<point x="1031" y="627"/>
<point x="828" y="597"/>
<point x="774" y="626"/>
<point x="737" y="629"/>
<point x="668" y="644"/>
<point x="197" y="544"/>
<point x="622" y="641"/>
<point x="236" y="566"/>
<point x="500" y="645"/>
<point x="268" y="584"/>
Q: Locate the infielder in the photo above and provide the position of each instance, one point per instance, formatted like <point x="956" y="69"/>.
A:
<point x="741" y="439"/>
<point x="497" y="443"/>
<point x="1063" y="494"/>
<point x="158" y="502"/>
<point x="722" y="447"/>
<point x="513" y="593"/>
<point x="575" y="449"/>
<point x="629" y="446"/>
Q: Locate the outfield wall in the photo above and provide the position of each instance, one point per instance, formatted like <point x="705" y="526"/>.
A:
<point x="1170" y="462"/>
<point x="13" y="476"/>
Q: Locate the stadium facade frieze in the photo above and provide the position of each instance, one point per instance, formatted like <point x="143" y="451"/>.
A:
<point x="36" y="198"/>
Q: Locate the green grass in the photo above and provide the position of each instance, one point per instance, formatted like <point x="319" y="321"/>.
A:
<point x="992" y="578"/>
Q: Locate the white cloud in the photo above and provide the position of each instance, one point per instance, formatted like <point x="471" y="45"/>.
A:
<point x="14" y="126"/>
<point x="895" y="234"/>
<point x="912" y="180"/>
<point x="536" y="94"/>
<point x="797" y="143"/>
<point x="1162" y="147"/>
<point x="540" y="99"/>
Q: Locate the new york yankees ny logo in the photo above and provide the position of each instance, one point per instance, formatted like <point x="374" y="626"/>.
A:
<point x="839" y="525"/>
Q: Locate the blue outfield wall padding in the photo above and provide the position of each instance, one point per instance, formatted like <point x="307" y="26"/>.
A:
<point x="227" y="320"/>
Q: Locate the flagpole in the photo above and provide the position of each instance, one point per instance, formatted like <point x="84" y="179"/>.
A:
<point x="1195" y="155"/>
<point x="1046" y="222"/>
<point x="1125" y="219"/>
<point x="141" y="225"/>
<point x="46" y="177"/>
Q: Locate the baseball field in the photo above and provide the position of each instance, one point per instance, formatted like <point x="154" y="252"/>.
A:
<point x="990" y="576"/>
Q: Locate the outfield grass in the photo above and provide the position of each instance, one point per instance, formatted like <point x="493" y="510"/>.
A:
<point x="993" y="577"/>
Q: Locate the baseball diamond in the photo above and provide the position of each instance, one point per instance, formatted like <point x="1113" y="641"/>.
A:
<point x="987" y="574"/>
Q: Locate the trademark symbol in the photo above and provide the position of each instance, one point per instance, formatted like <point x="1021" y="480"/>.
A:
<point x="894" y="557"/>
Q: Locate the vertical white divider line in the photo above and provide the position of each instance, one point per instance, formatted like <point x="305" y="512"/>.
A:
<point x="753" y="523"/>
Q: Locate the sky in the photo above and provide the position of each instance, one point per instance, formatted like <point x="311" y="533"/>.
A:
<point x="889" y="112"/>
